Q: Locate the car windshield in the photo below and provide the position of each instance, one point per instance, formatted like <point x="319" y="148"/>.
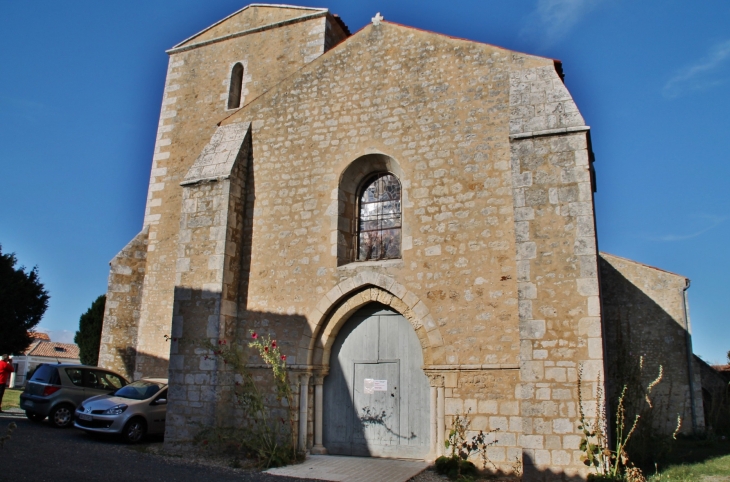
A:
<point x="139" y="390"/>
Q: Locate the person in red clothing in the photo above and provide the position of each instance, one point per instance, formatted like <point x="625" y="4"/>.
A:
<point x="5" y="370"/>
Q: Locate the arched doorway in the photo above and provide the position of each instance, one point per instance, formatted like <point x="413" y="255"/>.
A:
<point x="376" y="396"/>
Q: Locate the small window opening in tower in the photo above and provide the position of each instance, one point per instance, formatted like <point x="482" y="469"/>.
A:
<point x="234" y="93"/>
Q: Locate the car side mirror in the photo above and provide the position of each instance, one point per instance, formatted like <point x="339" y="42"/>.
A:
<point x="161" y="401"/>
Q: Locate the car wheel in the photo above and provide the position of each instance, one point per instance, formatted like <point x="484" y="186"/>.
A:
<point x="34" y="417"/>
<point x="61" y="416"/>
<point x="134" y="431"/>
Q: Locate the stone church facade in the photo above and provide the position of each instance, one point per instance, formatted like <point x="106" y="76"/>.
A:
<point x="390" y="205"/>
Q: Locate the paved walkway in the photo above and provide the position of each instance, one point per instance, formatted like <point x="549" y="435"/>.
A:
<point x="353" y="469"/>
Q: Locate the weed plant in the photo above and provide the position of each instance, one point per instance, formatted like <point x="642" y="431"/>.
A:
<point x="267" y="434"/>
<point x="456" y="465"/>
<point x="613" y="461"/>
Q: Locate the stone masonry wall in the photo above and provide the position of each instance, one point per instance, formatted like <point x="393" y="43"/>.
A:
<point x="121" y="312"/>
<point x="644" y="315"/>
<point x="206" y="288"/>
<point x="196" y="91"/>
<point x="559" y="304"/>
<point x="391" y="90"/>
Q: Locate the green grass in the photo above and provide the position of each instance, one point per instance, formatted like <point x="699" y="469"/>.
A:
<point x="711" y="470"/>
<point x="11" y="398"/>
<point x="697" y="461"/>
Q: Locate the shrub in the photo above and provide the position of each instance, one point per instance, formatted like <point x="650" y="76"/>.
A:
<point x="267" y="436"/>
<point x="454" y="467"/>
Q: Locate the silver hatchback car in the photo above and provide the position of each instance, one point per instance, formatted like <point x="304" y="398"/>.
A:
<point x="55" y="391"/>
<point x="132" y="411"/>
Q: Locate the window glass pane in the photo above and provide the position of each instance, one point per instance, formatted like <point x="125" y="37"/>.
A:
<point x="46" y="374"/>
<point x="139" y="390"/>
<point x="391" y="243"/>
<point x="380" y="218"/>
<point x="106" y="380"/>
<point x="92" y="380"/>
<point x="76" y="376"/>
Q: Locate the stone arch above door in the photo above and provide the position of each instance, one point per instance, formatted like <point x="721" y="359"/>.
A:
<point x="334" y="309"/>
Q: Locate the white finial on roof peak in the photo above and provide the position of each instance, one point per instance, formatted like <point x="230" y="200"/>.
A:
<point x="377" y="19"/>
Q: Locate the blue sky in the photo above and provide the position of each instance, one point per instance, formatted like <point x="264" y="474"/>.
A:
<point x="81" y="86"/>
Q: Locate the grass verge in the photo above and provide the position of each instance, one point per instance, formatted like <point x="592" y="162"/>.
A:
<point x="697" y="461"/>
<point x="11" y="398"/>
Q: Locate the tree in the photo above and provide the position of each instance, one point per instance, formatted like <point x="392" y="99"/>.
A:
<point x="23" y="301"/>
<point x="89" y="335"/>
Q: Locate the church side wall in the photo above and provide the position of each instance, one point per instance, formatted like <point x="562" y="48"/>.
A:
<point x="195" y="100"/>
<point x="644" y="316"/>
<point x="121" y="312"/>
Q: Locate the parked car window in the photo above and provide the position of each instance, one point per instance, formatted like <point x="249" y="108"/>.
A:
<point x="76" y="376"/>
<point x="139" y="390"/>
<point x="46" y="374"/>
<point x="112" y="380"/>
<point x="92" y="380"/>
<point x="101" y="380"/>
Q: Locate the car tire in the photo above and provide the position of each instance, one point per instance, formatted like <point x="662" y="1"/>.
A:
<point x="62" y="416"/>
<point x="34" y="417"/>
<point x="134" y="430"/>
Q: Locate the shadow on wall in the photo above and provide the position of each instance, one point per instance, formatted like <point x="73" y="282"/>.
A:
<point x="202" y="387"/>
<point x="201" y="391"/>
<point x="129" y="356"/>
<point x="636" y="326"/>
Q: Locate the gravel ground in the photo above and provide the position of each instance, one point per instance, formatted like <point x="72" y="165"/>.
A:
<point x="429" y="476"/>
<point x="432" y="476"/>
<point x="37" y="452"/>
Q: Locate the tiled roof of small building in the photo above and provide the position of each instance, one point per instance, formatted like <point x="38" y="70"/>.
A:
<point x="53" y="350"/>
<point x="39" y="336"/>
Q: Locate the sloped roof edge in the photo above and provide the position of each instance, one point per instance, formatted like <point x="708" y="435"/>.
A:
<point x="218" y="157"/>
<point x="603" y="253"/>
<point x="453" y="37"/>
<point x="273" y="5"/>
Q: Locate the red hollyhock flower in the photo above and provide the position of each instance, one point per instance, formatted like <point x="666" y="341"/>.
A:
<point x="254" y="336"/>
<point x="266" y="349"/>
<point x="283" y="357"/>
<point x="273" y="344"/>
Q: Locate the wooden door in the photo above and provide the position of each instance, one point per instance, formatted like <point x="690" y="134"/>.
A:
<point x="376" y="396"/>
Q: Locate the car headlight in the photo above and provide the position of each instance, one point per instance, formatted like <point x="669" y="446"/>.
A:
<point x="115" y="410"/>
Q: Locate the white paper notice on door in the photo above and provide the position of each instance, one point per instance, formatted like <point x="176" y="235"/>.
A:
<point x="372" y="386"/>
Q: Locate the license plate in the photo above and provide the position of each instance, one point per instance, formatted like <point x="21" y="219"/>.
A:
<point x="83" y="416"/>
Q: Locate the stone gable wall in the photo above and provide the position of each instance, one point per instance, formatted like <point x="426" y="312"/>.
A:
<point x="250" y="18"/>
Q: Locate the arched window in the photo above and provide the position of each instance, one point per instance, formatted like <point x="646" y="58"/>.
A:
<point x="234" y="92"/>
<point x="379" y="220"/>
